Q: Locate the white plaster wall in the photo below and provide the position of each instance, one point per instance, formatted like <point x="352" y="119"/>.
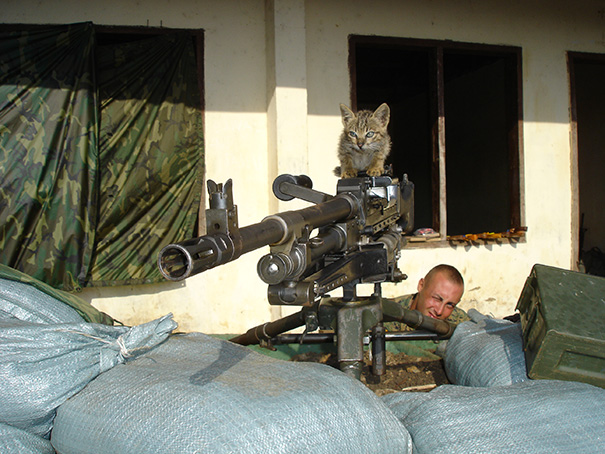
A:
<point x="245" y="122"/>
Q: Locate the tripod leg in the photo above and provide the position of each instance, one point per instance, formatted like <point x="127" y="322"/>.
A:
<point x="353" y="320"/>
<point x="378" y="350"/>
<point x="350" y="341"/>
<point x="263" y="333"/>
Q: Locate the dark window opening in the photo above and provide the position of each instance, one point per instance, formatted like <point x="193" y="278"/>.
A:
<point x="587" y="72"/>
<point x="455" y="116"/>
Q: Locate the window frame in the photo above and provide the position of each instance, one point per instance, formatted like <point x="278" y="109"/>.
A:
<point x="436" y="49"/>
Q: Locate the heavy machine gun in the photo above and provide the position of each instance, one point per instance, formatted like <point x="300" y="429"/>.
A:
<point x="358" y="241"/>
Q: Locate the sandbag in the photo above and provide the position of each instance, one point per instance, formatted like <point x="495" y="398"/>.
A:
<point x="485" y="352"/>
<point x="196" y="393"/>
<point x="19" y="441"/>
<point x="42" y="365"/>
<point x="54" y="296"/>
<point x="25" y="302"/>
<point x="535" y="416"/>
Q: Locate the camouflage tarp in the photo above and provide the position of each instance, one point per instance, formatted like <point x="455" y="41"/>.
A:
<point x="48" y="153"/>
<point x="93" y="188"/>
<point x="150" y="155"/>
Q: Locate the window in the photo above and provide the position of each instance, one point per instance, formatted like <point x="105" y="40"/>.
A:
<point x="455" y="127"/>
<point x="586" y="73"/>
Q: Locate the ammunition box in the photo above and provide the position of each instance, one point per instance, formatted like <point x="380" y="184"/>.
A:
<point x="563" y="323"/>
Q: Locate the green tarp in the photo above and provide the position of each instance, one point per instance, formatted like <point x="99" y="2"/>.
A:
<point x="101" y="153"/>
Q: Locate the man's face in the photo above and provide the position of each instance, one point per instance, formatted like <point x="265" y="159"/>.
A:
<point x="438" y="296"/>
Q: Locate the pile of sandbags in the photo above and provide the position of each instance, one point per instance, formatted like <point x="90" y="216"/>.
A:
<point x="43" y="365"/>
<point x="534" y="416"/>
<point x="49" y="352"/>
<point x="195" y="393"/>
<point x="493" y="407"/>
<point x="98" y="388"/>
<point x="95" y="388"/>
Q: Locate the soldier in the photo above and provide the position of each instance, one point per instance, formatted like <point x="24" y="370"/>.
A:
<point x="438" y="295"/>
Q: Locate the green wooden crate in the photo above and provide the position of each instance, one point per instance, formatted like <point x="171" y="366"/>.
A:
<point x="563" y="322"/>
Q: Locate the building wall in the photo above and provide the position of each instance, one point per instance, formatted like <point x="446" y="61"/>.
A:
<point x="275" y="72"/>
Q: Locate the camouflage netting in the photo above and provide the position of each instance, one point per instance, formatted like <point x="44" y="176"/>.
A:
<point x="101" y="153"/>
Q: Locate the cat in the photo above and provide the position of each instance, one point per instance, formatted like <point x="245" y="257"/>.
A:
<point x="364" y="143"/>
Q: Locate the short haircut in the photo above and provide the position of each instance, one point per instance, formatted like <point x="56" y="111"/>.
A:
<point x="450" y="272"/>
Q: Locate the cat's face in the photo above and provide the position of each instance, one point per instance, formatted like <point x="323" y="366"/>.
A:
<point x="365" y="130"/>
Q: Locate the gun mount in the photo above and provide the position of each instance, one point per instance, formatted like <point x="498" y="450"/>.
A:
<point x="358" y="241"/>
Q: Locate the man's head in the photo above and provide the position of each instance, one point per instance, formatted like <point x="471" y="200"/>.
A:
<point x="439" y="292"/>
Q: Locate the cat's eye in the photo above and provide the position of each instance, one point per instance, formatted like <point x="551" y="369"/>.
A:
<point x="370" y="134"/>
<point x="352" y="133"/>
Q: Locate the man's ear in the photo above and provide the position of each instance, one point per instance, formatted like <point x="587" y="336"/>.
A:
<point x="420" y="284"/>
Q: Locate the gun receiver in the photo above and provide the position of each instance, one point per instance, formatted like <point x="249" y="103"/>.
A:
<point x="358" y="240"/>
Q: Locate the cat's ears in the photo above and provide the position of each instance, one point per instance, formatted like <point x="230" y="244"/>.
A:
<point x="346" y="113"/>
<point x="382" y="114"/>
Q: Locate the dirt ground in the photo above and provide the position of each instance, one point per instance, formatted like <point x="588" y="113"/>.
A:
<point x="403" y="372"/>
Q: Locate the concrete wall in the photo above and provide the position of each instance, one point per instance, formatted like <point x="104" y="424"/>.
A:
<point x="275" y="73"/>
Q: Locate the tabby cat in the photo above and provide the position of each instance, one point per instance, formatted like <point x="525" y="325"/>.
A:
<point x="365" y="143"/>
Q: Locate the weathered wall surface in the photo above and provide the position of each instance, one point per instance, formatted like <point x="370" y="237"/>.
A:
<point x="275" y="72"/>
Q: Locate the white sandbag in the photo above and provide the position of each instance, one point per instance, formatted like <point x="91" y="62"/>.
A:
<point x="25" y="302"/>
<point x="198" y="394"/>
<point x="485" y="352"/>
<point x="19" y="441"/>
<point x="42" y="365"/>
<point x="531" y="417"/>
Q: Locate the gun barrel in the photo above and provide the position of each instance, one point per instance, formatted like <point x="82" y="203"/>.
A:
<point x="393" y="311"/>
<point x="178" y="261"/>
<point x="415" y="319"/>
<point x="267" y="331"/>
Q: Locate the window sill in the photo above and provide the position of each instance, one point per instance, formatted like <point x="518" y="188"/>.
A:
<point x="469" y="241"/>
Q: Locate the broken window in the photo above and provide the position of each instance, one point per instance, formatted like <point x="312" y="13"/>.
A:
<point x="455" y="126"/>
